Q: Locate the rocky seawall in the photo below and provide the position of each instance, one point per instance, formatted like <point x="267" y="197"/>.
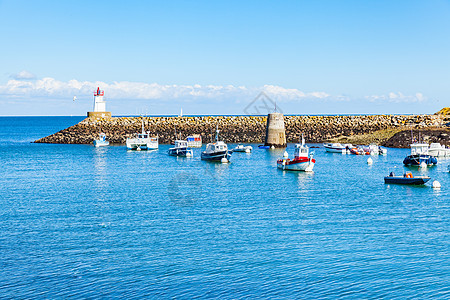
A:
<point x="239" y="129"/>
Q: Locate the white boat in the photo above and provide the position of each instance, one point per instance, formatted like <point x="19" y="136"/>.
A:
<point x="242" y="148"/>
<point x="337" y="147"/>
<point x="181" y="149"/>
<point x="374" y="149"/>
<point x="194" y="141"/>
<point x="217" y="151"/>
<point x="438" y="150"/>
<point x="101" y="141"/>
<point x="303" y="161"/>
<point x="143" y="141"/>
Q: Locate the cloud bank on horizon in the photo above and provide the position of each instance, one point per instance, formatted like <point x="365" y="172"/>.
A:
<point x="25" y="85"/>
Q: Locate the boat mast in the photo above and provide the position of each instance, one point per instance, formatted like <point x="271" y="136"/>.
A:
<point x="217" y="133"/>
<point x="142" y="125"/>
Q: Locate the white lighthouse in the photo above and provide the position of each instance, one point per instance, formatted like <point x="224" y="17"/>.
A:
<point x="99" y="106"/>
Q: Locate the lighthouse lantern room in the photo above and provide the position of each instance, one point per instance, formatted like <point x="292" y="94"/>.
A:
<point x="99" y="105"/>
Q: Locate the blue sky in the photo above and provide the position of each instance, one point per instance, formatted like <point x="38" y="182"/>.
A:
<point x="215" y="57"/>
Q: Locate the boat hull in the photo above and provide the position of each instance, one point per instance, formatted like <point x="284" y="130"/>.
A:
<point x="243" y="149"/>
<point x="406" y="180"/>
<point x="99" y="143"/>
<point x="416" y="160"/>
<point x="183" y="152"/>
<point x="439" y="152"/>
<point x="335" y="149"/>
<point x="302" y="164"/>
<point x="216" y="156"/>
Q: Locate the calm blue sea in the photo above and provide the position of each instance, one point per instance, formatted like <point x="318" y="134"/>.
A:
<point x="84" y="222"/>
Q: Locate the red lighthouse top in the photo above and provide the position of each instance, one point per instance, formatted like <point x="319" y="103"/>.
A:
<point x="99" y="92"/>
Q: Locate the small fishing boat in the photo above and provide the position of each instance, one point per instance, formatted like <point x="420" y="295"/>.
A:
<point x="438" y="150"/>
<point x="263" y="147"/>
<point x="142" y="141"/>
<point x="337" y="147"/>
<point x="217" y="151"/>
<point x="194" y="141"/>
<point x="419" y="155"/>
<point x="181" y="149"/>
<point x="358" y="151"/>
<point x="407" y="179"/>
<point x="242" y="148"/>
<point x="303" y="161"/>
<point x="374" y="149"/>
<point x="101" y="141"/>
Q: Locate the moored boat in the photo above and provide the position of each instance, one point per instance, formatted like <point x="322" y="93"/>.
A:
<point x="374" y="149"/>
<point x="303" y="160"/>
<point x="407" y="179"/>
<point x="101" y="141"/>
<point x="358" y="151"/>
<point x="438" y="150"/>
<point x="142" y="141"/>
<point x="242" y="148"/>
<point x="194" y="141"/>
<point x="337" y="147"/>
<point x="181" y="149"/>
<point x="217" y="151"/>
<point x="419" y="155"/>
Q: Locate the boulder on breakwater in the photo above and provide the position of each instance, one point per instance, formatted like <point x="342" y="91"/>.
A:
<point x="237" y="129"/>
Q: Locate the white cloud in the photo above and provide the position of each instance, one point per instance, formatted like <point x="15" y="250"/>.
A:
<point x="397" y="97"/>
<point x="23" y="75"/>
<point x="50" y="87"/>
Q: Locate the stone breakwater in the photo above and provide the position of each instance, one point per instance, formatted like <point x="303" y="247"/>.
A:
<point x="237" y="129"/>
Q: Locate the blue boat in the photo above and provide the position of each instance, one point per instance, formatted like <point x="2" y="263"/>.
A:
<point x="217" y="151"/>
<point x="263" y="147"/>
<point x="418" y="159"/>
<point x="407" y="179"/>
<point x="181" y="149"/>
<point x="419" y="154"/>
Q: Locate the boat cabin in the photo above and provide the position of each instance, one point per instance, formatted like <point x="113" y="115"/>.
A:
<point x="417" y="149"/>
<point x="301" y="150"/>
<point x="181" y="144"/>
<point x="216" y="147"/>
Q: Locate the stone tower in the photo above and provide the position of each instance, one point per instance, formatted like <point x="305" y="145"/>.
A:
<point x="275" y="131"/>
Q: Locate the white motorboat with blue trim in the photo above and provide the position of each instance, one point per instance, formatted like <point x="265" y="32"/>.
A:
<point x="101" y="141"/>
<point x="242" y="148"/>
<point x="217" y="151"/>
<point x="181" y="149"/>
<point x="337" y="147"/>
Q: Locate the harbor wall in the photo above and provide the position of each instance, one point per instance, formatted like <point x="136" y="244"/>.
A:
<point x="238" y="129"/>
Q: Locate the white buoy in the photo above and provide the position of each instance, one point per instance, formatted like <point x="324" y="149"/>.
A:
<point x="188" y="154"/>
<point x="285" y="154"/>
<point x="423" y="164"/>
<point x="138" y="149"/>
<point x="248" y="150"/>
<point x="369" y="161"/>
<point x="273" y="147"/>
<point x="224" y="160"/>
<point x="436" y="184"/>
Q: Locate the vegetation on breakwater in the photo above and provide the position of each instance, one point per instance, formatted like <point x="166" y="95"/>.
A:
<point x="245" y="129"/>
